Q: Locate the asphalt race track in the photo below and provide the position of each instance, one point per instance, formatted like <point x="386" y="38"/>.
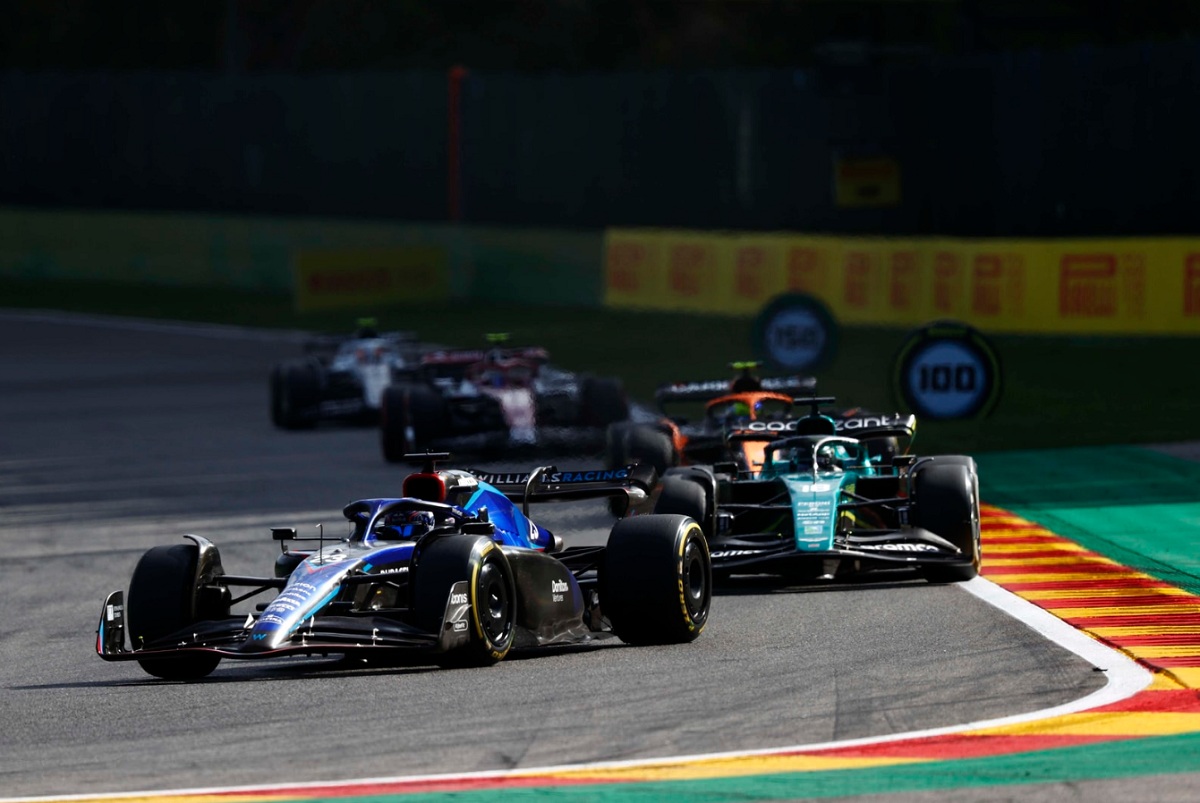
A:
<point x="117" y="438"/>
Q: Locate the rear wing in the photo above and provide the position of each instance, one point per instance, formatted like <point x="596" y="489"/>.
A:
<point x="861" y="426"/>
<point x="876" y="425"/>
<point x="328" y="344"/>
<point x="466" y="356"/>
<point x="715" y="388"/>
<point x="550" y="484"/>
<point x="321" y="341"/>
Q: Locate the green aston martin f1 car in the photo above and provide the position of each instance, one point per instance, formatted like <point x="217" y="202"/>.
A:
<point x="805" y="499"/>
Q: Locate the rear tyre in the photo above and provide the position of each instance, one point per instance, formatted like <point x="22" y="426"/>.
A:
<point x="393" y="425"/>
<point x="952" y="460"/>
<point x="646" y="444"/>
<point x="687" y="498"/>
<point x="491" y="594"/>
<point x="946" y="492"/>
<point x="882" y="450"/>
<point x="683" y="498"/>
<point x="275" y="385"/>
<point x="295" y="394"/>
<point x="615" y="457"/>
<point x="411" y="418"/>
<point x="165" y="597"/>
<point x="656" y="580"/>
<point x="603" y="402"/>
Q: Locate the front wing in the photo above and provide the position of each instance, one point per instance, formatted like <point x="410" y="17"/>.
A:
<point x="320" y="635"/>
<point x="768" y="553"/>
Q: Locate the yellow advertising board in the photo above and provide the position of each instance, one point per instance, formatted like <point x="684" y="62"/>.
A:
<point x="679" y="270"/>
<point x="366" y="278"/>
<point x="1110" y="286"/>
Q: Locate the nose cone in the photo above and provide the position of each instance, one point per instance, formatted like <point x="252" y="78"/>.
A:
<point x="299" y="601"/>
<point x="269" y="633"/>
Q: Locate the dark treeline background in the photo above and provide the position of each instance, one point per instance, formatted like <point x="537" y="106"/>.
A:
<point x="302" y="35"/>
<point x="1005" y="117"/>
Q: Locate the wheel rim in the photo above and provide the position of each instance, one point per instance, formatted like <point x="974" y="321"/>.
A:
<point x="695" y="581"/>
<point x="494" y="604"/>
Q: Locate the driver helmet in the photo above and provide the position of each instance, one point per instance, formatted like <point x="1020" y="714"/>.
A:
<point x="831" y="458"/>
<point x="411" y="523"/>
<point x="738" y="410"/>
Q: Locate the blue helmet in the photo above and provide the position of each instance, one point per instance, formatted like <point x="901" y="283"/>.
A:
<point x="409" y="524"/>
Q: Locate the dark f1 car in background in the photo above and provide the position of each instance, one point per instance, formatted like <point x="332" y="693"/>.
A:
<point x="815" y="504"/>
<point x="677" y="437"/>
<point x="454" y="569"/>
<point x="480" y="399"/>
<point x="340" y="378"/>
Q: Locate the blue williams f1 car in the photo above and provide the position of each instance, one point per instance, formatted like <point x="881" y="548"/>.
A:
<point x="806" y="499"/>
<point x="454" y="569"/>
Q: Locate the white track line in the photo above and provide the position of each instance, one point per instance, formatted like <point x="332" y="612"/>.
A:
<point x="1125" y="679"/>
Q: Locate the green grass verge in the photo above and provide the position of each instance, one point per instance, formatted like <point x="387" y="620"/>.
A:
<point x="1058" y="391"/>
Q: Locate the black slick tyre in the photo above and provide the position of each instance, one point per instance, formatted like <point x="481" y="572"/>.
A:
<point x="411" y="418"/>
<point x="614" y="457"/>
<point x="687" y="498"/>
<point x="614" y="445"/>
<point x="656" y="580"/>
<point x="882" y="450"/>
<point x="393" y="424"/>
<point x="682" y="497"/>
<point x="946" y="493"/>
<point x="952" y="460"/>
<point x="275" y="387"/>
<point x="491" y="594"/>
<point x="164" y="597"/>
<point x="296" y="392"/>
<point x="647" y="444"/>
<point x="602" y="402"/>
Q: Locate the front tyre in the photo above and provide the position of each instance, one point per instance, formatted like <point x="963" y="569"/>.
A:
<point x="491" y="593"/>
<point x="165" y="596"/>
<point x="656" y="580"/>
<point x="947" y="504"/>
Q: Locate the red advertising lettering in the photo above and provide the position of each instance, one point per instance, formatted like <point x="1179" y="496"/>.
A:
<point x="947" y="281"/>
<point x="858" y="278"/>
<point x="686" y="263"/>
<point x="805" y="270"/>
<point x="1087" y="286"/>
<point x="625" y="261"/>
<point x="905" y="280"/>
<point x="987" y="284"/>
<point x="1191" y="286"/>
<point x="748" y="271"/>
